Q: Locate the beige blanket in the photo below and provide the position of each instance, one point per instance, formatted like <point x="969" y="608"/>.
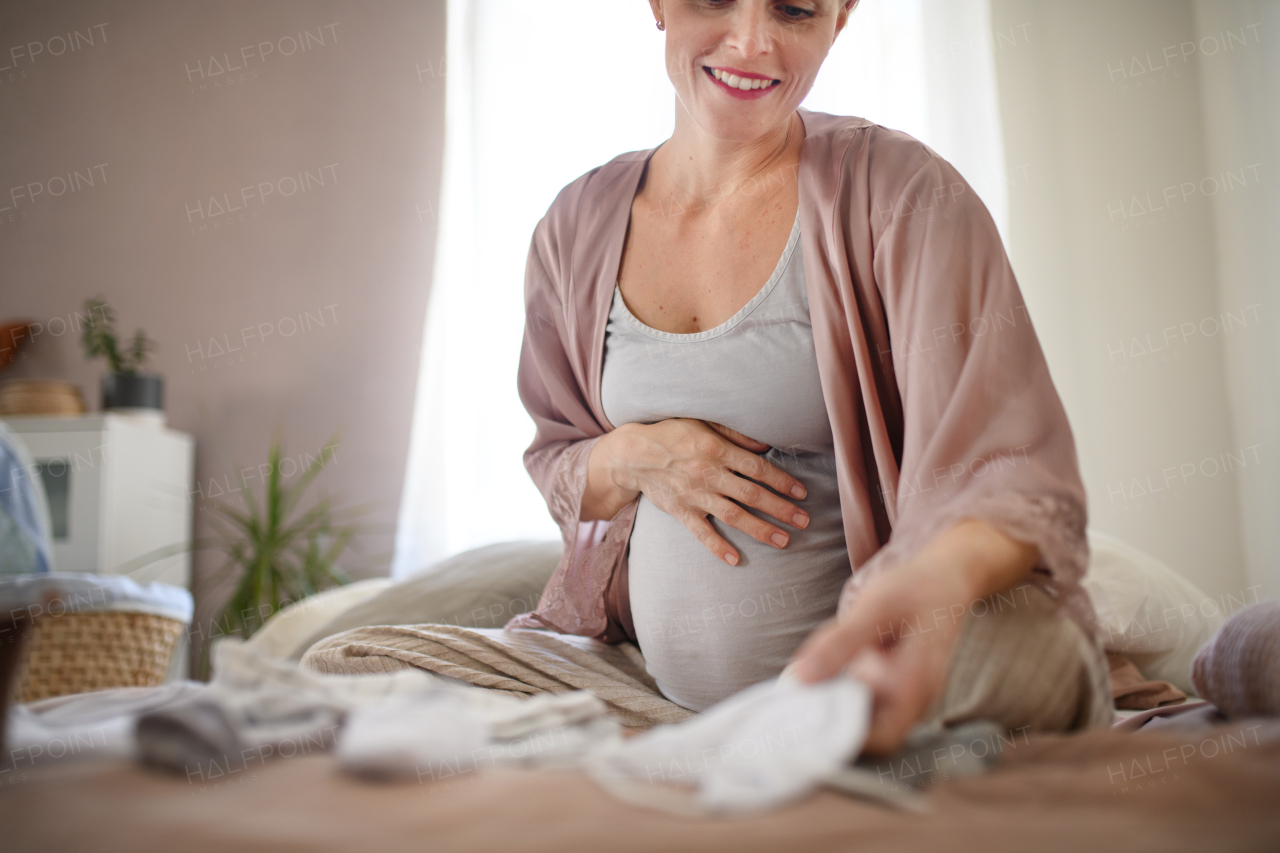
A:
<point x="517" y="662"/>
<point x="1019" y="665"/>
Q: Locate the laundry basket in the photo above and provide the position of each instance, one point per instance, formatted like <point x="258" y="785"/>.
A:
<point x="93" y="632"/>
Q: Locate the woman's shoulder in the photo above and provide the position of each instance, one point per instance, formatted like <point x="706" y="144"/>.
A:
<point x="886" y="150"/>
<point x="584" y="211"/>
<point x="603" y="185"/>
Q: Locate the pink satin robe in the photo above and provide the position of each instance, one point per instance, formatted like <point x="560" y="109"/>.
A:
<point x="940" y="399"/>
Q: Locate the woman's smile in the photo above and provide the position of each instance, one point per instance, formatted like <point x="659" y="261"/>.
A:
<point x="741" y="84"/>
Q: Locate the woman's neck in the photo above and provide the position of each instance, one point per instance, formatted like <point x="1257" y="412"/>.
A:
<point x="698" y="166"/>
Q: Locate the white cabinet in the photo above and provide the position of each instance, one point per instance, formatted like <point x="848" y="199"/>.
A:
<point x="119" y="489"/>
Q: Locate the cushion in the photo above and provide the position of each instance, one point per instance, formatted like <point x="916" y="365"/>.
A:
<point x="480" y="588"/>
<point x="293" y="624"/>
<point x="1239" y="669"/>
<point x="1147" y="611"/>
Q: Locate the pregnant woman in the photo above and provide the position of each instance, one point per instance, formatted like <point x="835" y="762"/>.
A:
<point x="790" y="406"/>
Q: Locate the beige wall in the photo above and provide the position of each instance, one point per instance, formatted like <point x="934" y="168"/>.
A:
<point x="321" y="292"/>
<point x="1114" y="238"/>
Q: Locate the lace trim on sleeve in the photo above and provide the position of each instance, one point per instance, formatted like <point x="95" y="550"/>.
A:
<point x="574" y="601"/>
<point x="1053" y="524"/>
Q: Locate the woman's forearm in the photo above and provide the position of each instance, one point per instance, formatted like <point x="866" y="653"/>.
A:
<point x="603" y="498"/>
<point x="989" y="560"/>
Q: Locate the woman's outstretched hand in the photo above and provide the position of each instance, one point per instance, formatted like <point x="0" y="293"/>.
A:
<point x="898" y="634"/>
<point x="692" y="469"/>
<point x="897" y="640"/>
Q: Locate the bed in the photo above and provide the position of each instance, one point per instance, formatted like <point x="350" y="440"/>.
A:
<point x="1068" y="793"/>
<point x="1173" y="778"/>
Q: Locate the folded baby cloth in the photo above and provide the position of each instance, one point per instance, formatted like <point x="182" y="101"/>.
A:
<point x="762" y="747"/>
<point x="777" y="741"/>
<point x="448" y="733"/>
<point x="85" y="726"/>
<point x="256" y="708"/>
<point x="389" y="724"/>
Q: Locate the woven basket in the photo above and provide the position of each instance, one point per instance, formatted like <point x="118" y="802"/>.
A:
<point x="40" y="397"/>
<point x="79" y="652"/>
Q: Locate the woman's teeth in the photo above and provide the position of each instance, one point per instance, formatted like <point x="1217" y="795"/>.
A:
<point x="744" y="83"/>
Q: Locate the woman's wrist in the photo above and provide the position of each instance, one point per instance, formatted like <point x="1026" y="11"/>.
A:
<point x="607" y="490"/>
<point x="984" y="560"/>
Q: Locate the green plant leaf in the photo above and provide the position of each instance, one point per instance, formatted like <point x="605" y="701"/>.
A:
<point x="282" y="554"/>
<point x="294" y="493"/>
<point x="274" y="554"/>
<point x="99" y="335"/>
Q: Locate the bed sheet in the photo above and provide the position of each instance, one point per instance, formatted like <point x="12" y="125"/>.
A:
<point x="1205" y="789"/>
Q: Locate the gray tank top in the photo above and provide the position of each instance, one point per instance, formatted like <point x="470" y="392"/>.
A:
<point x="708" y="629"/>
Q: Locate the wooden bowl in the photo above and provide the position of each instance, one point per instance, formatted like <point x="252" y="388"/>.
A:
<point x="14" y="335"/>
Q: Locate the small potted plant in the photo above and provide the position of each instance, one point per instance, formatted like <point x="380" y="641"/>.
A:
<point x="123" y="387"/>
<point x="276" y="552"/>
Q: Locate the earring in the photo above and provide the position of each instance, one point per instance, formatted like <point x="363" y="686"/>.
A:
<point x="661" y="25"/>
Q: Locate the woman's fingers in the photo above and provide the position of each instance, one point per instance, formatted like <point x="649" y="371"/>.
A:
<point x="741" y="456"/>
<point x="763" y="471"/>
<point x="706" y="534"/>
<point x="745" y="442"/>
<point x="888" y="704"/>
<point x="692" y="469"/>
<point x="827" y="651"/>
<point x="900" y="687"/>
<point x="755" y="495"/>
<point x="754" y="526"/>
<point x="736" y="517"/>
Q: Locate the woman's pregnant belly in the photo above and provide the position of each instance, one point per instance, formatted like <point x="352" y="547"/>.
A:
<point x="708" y="629"/>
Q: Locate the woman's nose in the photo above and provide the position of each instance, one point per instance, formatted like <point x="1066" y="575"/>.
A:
<point x="749" y="28"/>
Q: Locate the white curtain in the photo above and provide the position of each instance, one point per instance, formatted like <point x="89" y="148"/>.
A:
<point x="926" y="67"/>
<point x="537" y="96"/>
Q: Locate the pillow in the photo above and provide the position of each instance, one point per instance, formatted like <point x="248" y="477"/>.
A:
<point x="1147" y="611"/>
<point x="480" y="588"/>
<point x="1237" y="670"/>
<point x="293" y="624"/>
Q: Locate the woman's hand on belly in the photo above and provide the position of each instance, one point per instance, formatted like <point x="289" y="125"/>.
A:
<point x="691" y="469"/>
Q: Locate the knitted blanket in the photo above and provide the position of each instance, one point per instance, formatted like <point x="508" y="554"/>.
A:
<point x="524" y="662"/>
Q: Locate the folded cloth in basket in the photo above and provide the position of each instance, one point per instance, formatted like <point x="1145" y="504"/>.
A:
<point x="78" y="592"/>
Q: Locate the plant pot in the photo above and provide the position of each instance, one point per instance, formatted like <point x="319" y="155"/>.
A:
<point x="132" y="391"/>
